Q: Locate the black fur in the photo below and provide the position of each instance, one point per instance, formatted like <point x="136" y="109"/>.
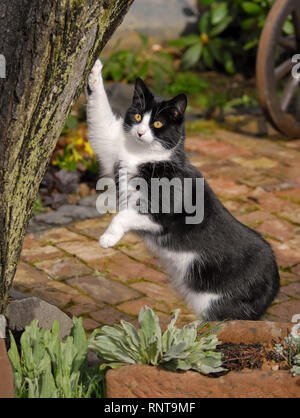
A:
<point x="233" y="260"/>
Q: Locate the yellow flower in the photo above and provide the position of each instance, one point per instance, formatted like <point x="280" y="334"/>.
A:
<point x="204" y="39"/>
<point x="88" y="149"/>
<point x="79" y="141"/>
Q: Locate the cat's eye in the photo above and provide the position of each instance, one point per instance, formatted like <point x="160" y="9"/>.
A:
<point x="138" y="117"/>
<point x="157" y="124"/>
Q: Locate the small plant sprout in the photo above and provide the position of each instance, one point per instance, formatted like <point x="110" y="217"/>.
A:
<point x="290" y="351"/>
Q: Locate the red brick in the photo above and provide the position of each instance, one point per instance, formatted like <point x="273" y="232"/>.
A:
<point x="56" y="235"/>
<point x="103" y="289"/>
<point x="279" y="229"/>
<point x="125" y="269"/>
<point x="63" y="267"/>
<point x="217" y="149"/>
<point x="228" y="188"/>
<point x="110" y="316"/>
<point x="270" y="203"/>
<point x="285" y="310"/>
<point x="286" y="256"/>
<point x="293" y="194"/>
<point x="296" y="269"/>
<point x="139" y="252"/>
<point x="133" y="307"/>
<point x="52" y="295"/>
<point x="90" y="251"/>
<point x="93" y="228"/>
<point x="292" y="290"/>
<point x="286" y="277"/>
<point x="254" y="219"/>
<point x="292" y="215"/>
<point x="28" y="277"/>
<point x="89" y="324"/>
<point x="154" y="291"/>
<point x="80" y="309"/>
<point x="32" y="250"/>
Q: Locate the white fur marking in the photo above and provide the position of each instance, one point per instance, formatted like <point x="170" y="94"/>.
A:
<point x="177" y="264"/>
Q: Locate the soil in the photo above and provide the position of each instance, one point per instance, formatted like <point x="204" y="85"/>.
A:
<point x="241" y="356"/>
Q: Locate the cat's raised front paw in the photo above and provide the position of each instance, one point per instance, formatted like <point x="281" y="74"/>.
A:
<point x="95" y="75"/>
<point x="108" y="240"/>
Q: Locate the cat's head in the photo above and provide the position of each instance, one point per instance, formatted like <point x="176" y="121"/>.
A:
<point x="158" y="124"/>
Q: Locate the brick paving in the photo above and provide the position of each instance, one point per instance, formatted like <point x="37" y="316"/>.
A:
<point x="257" y="179"/>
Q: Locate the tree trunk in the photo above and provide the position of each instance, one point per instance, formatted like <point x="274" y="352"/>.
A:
<point x="49" y="47"/>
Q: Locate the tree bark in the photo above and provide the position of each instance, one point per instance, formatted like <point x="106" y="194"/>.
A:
<point x="49" y="47"/>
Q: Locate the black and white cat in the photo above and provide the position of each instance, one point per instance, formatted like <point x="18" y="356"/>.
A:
<point x="224" y="269"/>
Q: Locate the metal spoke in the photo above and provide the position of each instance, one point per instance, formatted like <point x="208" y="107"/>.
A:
<point x="283" y="69"/>
<point x="288" y="43"/>
<point x="288" y="93"/>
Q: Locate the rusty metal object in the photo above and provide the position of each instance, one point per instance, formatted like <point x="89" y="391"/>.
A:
<point x="283" y="112"/>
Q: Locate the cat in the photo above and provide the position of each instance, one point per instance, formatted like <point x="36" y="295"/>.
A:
<point x="222" y="268"/>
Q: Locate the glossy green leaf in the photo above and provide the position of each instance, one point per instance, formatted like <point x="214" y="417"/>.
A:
<point x="219" y="13"/>
<point x="185" y="41"/>
<point x="204" y="22"/>
<point x="192" y="55"/>
<point x="251" y="8"/>
<point x="220" y="27"/>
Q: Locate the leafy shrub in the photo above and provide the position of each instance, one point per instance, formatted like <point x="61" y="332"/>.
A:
<point x="175" y="349"/>
<point x="229" y="33"/>
<point x="188" y="83"/>
<point x="127" y="65"/>
<point x="49" y="368"/>
<point x="208" y="46"/>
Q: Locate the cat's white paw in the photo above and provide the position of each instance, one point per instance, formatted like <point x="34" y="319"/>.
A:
<point x="108" y="240"/>
<point x="95" y="75"/>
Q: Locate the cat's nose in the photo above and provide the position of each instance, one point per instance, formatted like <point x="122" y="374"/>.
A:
<point x="141" y="133"/>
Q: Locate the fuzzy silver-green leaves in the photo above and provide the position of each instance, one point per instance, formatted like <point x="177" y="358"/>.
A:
<point x="175" y="349"/>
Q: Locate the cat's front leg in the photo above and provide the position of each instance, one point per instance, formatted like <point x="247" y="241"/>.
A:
<point x="126" y="221"/>
<point x="95" y="78"/>
<point x="104" y="128"/>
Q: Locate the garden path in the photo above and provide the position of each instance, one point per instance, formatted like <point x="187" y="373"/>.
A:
<point x="258" y="180"/>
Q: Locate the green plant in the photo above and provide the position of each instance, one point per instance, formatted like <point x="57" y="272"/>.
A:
<point x="290" y="351"/>
<point x="244" y="101"/>
<point x="73" y="148"/>
<point x="49" y="368"/>
<point x="188" y="83"/>
<point x="38" y="206"/>
<point x="146" y="62"/>
<point x="175" y="349"/>
<point x="208" y="47"/>
<point x="228" y="35"/>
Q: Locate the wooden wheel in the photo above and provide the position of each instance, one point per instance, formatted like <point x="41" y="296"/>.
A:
<point x="278" y="89"/>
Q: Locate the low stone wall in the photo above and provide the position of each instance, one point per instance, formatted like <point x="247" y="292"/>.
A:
<point x="141" y="381"/>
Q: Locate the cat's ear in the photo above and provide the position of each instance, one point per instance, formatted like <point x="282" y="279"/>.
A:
<point x="180" y="103"/>
<point x="141" y="94"/>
